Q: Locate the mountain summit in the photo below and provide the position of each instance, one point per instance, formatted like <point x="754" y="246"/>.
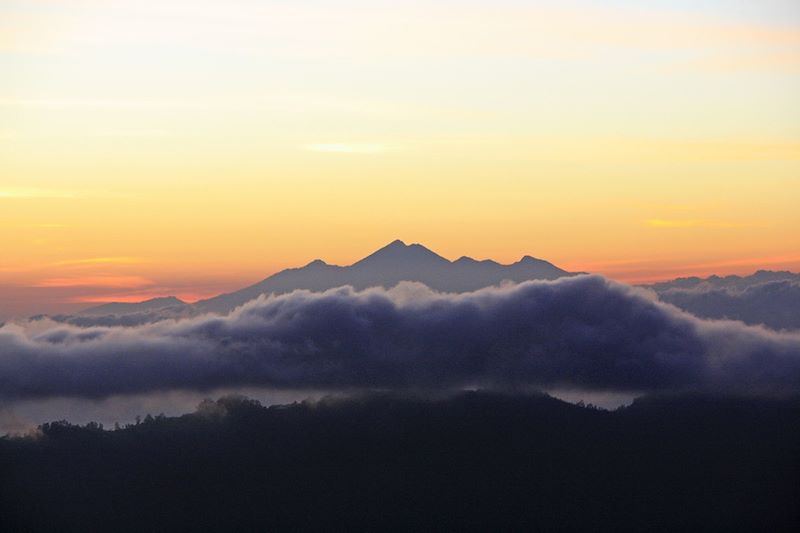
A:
<point x="397" y="253"/>
<point x="388" y="266"/>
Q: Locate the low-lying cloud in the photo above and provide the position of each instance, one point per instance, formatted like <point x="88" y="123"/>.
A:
<point x="584" y="332"/>
<point x="775" y="304"/>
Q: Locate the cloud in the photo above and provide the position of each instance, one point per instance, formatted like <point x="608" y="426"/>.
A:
<point x="773" y="303"/>
<point x="373" y="30"/>
<point x="121" y="320"/>
<point x="350" y="148"/>
<point x="50" y="225"/>
<point x="35" y="193"/>
<point x="693" y="223"/>
<point x="11" y="423"/>
<point x="16" y="193"/>
<point x="117" y="260"/>
<point x="96" y="281"/>
<point x="97" y="103"/>
<point x="583" y="332"/>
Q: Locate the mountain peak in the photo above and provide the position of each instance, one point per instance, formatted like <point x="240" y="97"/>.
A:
<point x="399" y="252"/>
<point x="388" y="266"/>
<point x="164" y="300"/>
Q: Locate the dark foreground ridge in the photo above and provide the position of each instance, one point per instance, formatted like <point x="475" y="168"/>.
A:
<point x="473" y="461"/>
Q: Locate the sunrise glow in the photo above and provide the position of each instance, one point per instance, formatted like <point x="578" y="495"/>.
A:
<point x="207" y="145"/>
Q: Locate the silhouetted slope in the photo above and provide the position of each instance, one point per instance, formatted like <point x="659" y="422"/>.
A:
<point x="727" y="282"/>
<point x="122" y="308"/>
<point x="387" y="267"/>
<point x="477" y="461"/>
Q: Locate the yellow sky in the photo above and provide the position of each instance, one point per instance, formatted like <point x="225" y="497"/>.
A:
<point x="160" y="147"/>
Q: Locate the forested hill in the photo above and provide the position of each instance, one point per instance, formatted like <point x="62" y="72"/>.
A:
<point x="472" y="461"/>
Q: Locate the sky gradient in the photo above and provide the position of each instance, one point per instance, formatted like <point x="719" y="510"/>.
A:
<point x="189" y="148"/>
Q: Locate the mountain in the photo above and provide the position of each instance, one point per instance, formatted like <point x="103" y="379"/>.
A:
<point x="387" y="267"/>
<point x="124" y="308"/>
<point x="726" y="282"/>
<point x="769" y="298"/>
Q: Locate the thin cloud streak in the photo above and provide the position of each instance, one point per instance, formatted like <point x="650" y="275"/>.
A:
<point x="358" y="30"/>
<point x="696" y="223"/>
<point x="11" y="194"/>
<point x="96" y="281"/>
<point x="347" y="148"/>
<point x="22" y="193"/>
<point x="118" y="260"/>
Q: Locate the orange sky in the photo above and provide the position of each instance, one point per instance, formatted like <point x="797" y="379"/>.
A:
<point x="189" y="148"/>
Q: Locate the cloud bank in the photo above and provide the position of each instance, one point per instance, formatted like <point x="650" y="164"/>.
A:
<point x="775" y="304"/>
<point x="584" y="332"/>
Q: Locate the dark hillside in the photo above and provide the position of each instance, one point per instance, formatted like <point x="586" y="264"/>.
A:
<point x="473" y="461"/>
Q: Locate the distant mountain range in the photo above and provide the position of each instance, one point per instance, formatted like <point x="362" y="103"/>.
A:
<point x="387" y="267"/>
<point x="125" y="308"/>
<point x="725" y="282"/>
<point x="766" y="297"/>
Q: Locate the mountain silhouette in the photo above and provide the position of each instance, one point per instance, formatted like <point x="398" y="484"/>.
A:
<point x="769" y="298"/>
<point x="731" y="282"/>
<point x="124" y="308"/>
<point x="387" y="267"/>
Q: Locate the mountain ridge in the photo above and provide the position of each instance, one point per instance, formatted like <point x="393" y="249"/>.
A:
<point x="388" y="266"/>
<point x="385" y="267"/>
<point x="769" y="298"/>
<point x="152" y="304"/>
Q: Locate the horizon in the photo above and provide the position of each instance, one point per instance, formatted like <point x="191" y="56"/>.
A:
<point x="190" y="148"/>
<point x="79" y="303"/>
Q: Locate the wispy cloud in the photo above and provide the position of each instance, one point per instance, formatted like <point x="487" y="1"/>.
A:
<point x="694" y="223"/>
<point x="21" y="193"/>
<point x="50" y="226"/>
<point x="139" y="295"/>
<point x="95" y="281"/>
<point x="786" y="60"/>
<point x="91" y="103"/>
<point x="37" y="193"/>
<point x="117" y="260"/>
<point x="348" y="148"/>
<point x="756" y="262"/>
<point x="651" y="270"/>
<point x="354" y="29"/>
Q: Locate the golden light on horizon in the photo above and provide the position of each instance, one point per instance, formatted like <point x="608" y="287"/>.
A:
<point x="202" y="146"/>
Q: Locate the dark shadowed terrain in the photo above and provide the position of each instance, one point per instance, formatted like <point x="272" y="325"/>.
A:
<point x="473" y="461"/>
